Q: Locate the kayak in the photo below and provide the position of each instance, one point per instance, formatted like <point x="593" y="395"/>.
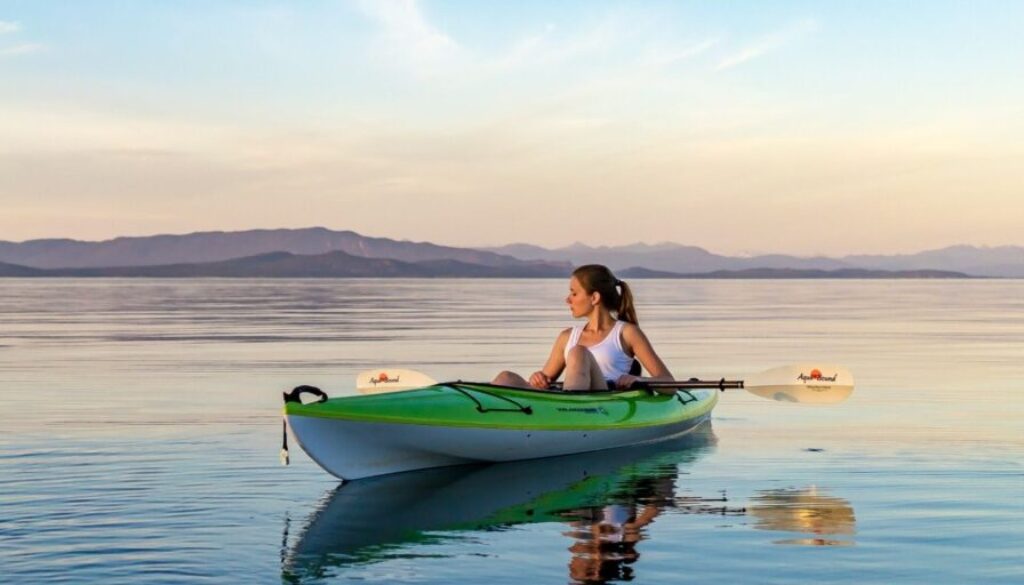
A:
<point x="456" y="423"/>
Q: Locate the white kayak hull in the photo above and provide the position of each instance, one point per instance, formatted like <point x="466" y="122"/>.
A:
<point x="356" y="449"/>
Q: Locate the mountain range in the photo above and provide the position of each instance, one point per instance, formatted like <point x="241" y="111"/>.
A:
<point x="204" y="247"/>
<point x="312" y="252"/>
<point x="1003" y="261"/>
<point x="287" y="265"/>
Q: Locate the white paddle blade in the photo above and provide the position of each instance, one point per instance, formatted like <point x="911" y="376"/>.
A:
<point x="391" y="380"/>
<point x="803" y="383"/>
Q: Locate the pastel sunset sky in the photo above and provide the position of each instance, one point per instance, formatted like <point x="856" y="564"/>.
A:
<point x="817" y="127"/>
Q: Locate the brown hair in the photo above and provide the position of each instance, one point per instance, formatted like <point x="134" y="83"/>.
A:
<point x="597" y="278"/>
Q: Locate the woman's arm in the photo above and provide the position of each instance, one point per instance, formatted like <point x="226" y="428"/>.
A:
<point x="556" y="363"/>
<point x="634" y="341"/>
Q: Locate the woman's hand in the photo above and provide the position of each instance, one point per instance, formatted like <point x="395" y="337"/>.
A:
<point x="626" y="381"/>
<point x="540" y="380"/>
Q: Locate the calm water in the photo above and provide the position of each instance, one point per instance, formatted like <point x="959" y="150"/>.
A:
<point x="140" y="429"/>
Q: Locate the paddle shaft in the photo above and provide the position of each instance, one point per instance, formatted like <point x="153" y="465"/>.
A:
<point x="691" y="384"/>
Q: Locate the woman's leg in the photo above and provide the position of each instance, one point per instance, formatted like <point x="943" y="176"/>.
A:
<point x="582" y="371"/>
<point x="513" y="379"/>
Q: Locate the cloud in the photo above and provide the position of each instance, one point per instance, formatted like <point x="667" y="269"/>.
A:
<point x="406" y="34"/>
<point x="549" y="47"/>
<point x="667" y="57"/>
<point x="9" y="27"/>
<point x="407" y="38"/>
<point x="22" y="49"/>
<point x="767" y="44"/>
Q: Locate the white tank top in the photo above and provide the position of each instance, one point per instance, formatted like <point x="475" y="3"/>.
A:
<point x="609" y="353"/>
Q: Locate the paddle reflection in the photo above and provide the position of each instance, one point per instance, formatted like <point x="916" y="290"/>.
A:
<point x="606" y="498"/>
<point x="808" y="511"/>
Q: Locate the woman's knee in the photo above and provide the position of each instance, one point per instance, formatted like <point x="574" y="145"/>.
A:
<point x="578" y="355"/>
<point x="504" y="378"/>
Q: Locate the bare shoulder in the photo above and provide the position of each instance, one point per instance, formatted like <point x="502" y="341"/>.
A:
<point x="633" y="337"/>
<point x="563" y="337"/>
<point x="631" y="331"/>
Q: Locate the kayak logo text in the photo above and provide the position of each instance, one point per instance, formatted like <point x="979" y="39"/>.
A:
<point x="816" y="376"/>
<point x="383" y="378"/>
<point x="585" y="410"/>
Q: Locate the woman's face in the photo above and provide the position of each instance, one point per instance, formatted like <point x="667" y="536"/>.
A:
<point x="580" y="302"/>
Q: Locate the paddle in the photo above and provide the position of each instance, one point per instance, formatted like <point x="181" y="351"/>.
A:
<point x="805" y="383"/>
<point x="801" y="383"/>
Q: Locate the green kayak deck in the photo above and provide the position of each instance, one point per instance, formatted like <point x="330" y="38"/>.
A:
<point x="474" y="405"/>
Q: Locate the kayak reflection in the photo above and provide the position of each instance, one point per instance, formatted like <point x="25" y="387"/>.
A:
<point x="606" y="498"/>
<point x="808" y="511"/>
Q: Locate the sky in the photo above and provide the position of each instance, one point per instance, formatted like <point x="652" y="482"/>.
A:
<point x="819" y="127"/>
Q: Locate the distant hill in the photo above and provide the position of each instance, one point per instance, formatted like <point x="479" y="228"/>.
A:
<point x="982" y="261"/>
<point x="783" y="273"/>
<point x="204" y="247"/>
<point x="15" y="270"/>
<point x="1004" y="261"/>
<point x="668" y="257"/>
<point x="287" y="265"/>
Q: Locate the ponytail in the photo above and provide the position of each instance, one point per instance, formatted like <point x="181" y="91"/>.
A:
<point x="597" y="278"/>
<point x="626" y="310"/>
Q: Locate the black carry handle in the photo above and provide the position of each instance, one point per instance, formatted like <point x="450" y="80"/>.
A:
<point x="296" y="394"/>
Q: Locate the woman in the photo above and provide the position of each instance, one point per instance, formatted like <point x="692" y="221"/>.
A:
<point x="600" y="353"/>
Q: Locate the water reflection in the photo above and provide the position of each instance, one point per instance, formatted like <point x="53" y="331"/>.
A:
<point x="605" y="537"/>
<point x="808" y="511"/>
<point x="606" y="499"/>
